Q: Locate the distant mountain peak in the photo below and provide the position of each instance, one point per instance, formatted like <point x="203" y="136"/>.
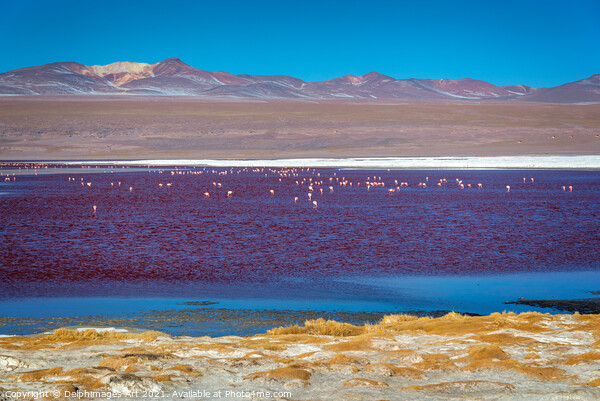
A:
<point x="173" y="77"/>
<point x="122" y="66"/>
<point x="375" y="74"/>
<point x="172" y="66"/>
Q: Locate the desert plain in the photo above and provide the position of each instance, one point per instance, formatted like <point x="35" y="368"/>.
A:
<point x="84" y="128"/>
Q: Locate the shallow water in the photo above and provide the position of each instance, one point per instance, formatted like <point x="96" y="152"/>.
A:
<point x="154" y="248"/>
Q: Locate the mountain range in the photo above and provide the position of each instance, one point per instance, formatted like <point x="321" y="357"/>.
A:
<point x="173" y="77"/>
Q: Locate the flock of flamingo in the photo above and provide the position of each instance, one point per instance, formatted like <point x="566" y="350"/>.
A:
<point x="315" y="184"/>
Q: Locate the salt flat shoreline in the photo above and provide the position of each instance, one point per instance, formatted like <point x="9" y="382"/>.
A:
<point x="584" y="162"/>
<point x="508" y="356"/>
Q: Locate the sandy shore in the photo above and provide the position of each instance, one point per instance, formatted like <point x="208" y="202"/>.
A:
<point x="529" y="356"/>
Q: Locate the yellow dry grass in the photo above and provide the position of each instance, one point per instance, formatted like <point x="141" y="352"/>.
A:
<point x="320" y="327"/>
<point x="435" y="362"/>
<point x="67" y="335"/>
<point x="38" y="375"/>
<point x="263" y="344"/>
<point x="504" y="339"/>
<point x="485" y="352"/>
<point x="298" y="338"/>
<point x="457" y="324"/>
<point x="582" y="358"/>
<point x="68" y="339"/>
<point x="450" y="324"/>
<point x="164" y="378"/>
<point x="281" y="374"/>
<point x="400" y="353"/>
<point x="532" y="355"/>
<point x="359" y="343"/>
<point x="341" y="358"/>
<point x="187" y="369"/>
<point x="118" y="362"/>
<point x="129" y="361"/>
<point x="462" y="385"/>
<point x="543" y="373"/>
<point x="86" y="378"/>
<point x="362" y="382"/>
<point x="387" y="369"/>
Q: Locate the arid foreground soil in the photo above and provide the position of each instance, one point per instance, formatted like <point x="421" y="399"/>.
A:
<point x="51" y="128"/>
<point x="529" y="356"/>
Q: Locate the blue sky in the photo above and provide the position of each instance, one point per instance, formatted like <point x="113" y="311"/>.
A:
<point x="537" y="43"/>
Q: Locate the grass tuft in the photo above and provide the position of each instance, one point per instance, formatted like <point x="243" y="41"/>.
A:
<point x="320" y="327"/>
<point x="281" y="374"/>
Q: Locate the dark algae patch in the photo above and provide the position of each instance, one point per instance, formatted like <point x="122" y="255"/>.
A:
<point x="585" y="306"/>
<point x="200" y="303"/>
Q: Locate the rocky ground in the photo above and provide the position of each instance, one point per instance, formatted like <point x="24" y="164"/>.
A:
<point x="509" y="356"/>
